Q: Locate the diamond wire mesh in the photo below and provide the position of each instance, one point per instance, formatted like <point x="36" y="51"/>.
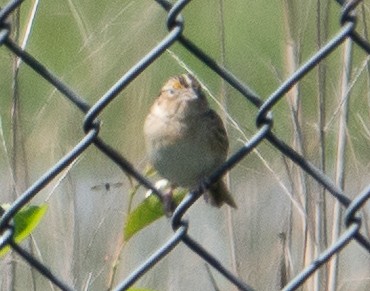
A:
<point x="264" y="120"/>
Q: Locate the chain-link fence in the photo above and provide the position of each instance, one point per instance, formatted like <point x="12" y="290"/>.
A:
<point x="264" y="121"/>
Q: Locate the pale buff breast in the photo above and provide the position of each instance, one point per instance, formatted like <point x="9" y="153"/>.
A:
<point x="180" y="152"/>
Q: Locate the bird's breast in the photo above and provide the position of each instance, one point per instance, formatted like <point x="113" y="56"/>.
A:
<point x="179" y="152"/>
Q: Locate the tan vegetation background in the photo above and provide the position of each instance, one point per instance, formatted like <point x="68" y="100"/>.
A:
<point x="284" y="218"/>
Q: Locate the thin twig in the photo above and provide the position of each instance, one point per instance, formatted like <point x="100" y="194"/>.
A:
<point x="340" y="159"/>
<point x="320" y="209"/>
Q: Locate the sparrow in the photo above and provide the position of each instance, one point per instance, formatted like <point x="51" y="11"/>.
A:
<point x="185" y="139"/>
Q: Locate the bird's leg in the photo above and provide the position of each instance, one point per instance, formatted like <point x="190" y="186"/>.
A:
<point x="204" y="188"/>
<point x="168" y="203"/>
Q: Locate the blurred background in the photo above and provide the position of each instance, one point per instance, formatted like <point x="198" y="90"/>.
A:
<point x="284" y="218"/>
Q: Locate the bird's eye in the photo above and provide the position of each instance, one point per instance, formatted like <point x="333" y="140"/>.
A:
<point x="171" y="91"/>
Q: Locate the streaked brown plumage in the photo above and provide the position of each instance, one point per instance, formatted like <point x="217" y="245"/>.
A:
<point x="186" y="140"/>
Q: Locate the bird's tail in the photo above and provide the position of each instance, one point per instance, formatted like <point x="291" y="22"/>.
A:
<point x="219" y="194"/>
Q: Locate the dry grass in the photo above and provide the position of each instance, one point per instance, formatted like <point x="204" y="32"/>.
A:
<point x="284" y="220"/>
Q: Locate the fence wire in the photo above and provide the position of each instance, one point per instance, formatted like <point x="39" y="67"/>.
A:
<point x="264" y="121"/>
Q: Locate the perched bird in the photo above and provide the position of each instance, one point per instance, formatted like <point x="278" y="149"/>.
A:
<point x="185" y="139"/>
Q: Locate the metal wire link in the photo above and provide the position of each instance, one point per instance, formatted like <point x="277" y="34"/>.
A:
<point x="264" y="121"/>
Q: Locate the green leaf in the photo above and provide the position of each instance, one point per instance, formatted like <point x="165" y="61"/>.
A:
<point x="25" y="221"/>
<point x="148" y="211"/>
